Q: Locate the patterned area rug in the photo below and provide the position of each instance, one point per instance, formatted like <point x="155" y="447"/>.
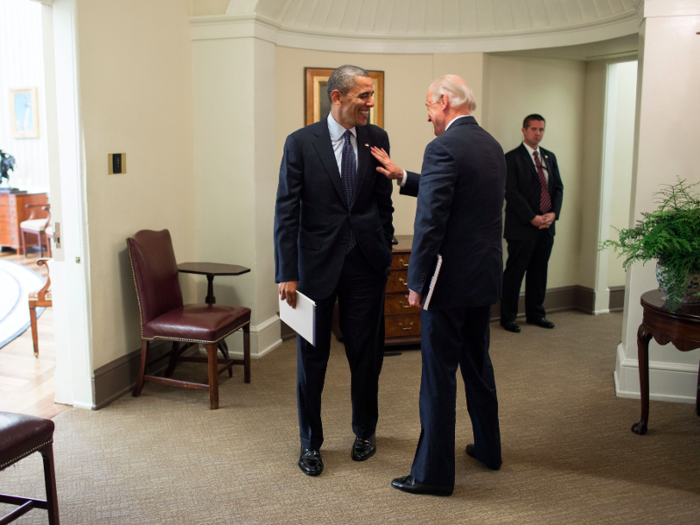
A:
<point x="16" y="282"/>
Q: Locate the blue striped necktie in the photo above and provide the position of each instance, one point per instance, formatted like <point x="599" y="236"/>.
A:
<point x="348" y="176"/>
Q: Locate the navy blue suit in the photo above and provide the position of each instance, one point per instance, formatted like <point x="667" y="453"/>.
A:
<point x="529" y="248"/>
<point x="312" y="227"/>
<point x="460" y="196"/>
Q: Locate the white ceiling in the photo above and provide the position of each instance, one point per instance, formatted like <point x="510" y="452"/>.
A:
<point x="436" y="17"/>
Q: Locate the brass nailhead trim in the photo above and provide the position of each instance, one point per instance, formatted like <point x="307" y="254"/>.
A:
<point x="25" y="454"/>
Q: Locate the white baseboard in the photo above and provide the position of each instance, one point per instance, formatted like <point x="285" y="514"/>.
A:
<point x="672" y="382"/>
<point x="264" y="338"/>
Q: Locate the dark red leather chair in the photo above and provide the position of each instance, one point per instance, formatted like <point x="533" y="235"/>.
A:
<point x="165" y="317"/>
<point x="21" y="436"/>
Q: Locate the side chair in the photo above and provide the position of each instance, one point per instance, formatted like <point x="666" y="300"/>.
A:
<point x="39" y="226"/>
<point x="165" y="317"/>
<point x="40" y="299"/>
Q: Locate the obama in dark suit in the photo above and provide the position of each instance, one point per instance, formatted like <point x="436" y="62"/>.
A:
<point x="333" y="232"/>
<point x="460" y="194"/>
<point x="534" y="194"/>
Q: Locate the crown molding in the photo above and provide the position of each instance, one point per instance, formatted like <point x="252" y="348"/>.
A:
<point x="252" y="25"/>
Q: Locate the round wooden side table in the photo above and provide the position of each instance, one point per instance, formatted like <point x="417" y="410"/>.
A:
<point x="681" y="327"/>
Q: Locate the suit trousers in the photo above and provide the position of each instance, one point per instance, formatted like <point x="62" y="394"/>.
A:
<point x="452" y="337"/>
<point x="531" y="256"/>
<point x="360" y="293"/>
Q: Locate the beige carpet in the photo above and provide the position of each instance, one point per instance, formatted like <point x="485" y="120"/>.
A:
<point x="568" y="454"/>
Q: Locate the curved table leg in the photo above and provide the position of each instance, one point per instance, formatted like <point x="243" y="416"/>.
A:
<point x="643" y="338"/>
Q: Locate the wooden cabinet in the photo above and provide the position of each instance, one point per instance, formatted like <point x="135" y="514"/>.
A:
<point x="402" y="322"/>
<point x="13" y="212"/>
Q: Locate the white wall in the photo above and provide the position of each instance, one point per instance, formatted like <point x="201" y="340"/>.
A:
<point x="21" y="57"/>
<point x="666" y="145"/>
<point x="135" y="89"/>
<point x="515" y="87"/>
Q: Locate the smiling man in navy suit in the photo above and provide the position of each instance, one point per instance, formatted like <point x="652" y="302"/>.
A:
<point x="534" y="193"/>
<point x="460" y="194"/>
<point x="333" y="231"/>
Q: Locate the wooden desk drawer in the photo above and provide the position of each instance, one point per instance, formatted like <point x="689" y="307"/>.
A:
<point x="398" y="304"/>
<point x="400" y="261"/>
<point x="402" y="325"/>
<point x="398" y="281"/>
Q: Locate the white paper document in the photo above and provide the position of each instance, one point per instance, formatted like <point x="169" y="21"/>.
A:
<point x="302" y="319"/>
<point x="433" y="282"/>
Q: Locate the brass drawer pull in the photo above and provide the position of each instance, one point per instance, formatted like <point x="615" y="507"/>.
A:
<point x="403" y="282"/>
<point x="405" y="306"/>
<point x="405" y="265"/>
<point x="406" y="328"/>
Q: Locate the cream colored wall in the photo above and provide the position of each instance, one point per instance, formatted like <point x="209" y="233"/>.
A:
<point x="622" y="167"/>
<point x="515" y="87"/>
<point x="136" y="97"/>
<point x="406" y="82"/>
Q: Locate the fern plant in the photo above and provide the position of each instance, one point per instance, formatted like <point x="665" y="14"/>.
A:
<point x="671" y="235"/>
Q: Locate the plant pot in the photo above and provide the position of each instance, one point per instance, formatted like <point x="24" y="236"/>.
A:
<point x="692" y="285"/>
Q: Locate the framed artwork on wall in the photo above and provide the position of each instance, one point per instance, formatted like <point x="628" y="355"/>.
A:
<point x="316" y="100"/>
<point x="24" y="114"/>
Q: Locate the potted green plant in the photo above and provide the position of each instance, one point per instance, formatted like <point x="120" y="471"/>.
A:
<point x="671" y="235"/>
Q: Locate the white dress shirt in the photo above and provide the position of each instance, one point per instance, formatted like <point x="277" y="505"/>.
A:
<point x="337" y="140"/>
<point x="542" y="161"/>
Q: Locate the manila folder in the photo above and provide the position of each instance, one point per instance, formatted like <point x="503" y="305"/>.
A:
<point x="302" y="319"/>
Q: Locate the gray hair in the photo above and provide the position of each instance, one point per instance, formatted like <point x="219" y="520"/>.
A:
<point x="456" y="91"/>
<point x="343" y="79"/>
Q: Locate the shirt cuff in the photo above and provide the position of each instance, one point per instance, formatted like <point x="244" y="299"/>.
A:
<point x="402" y="182"/>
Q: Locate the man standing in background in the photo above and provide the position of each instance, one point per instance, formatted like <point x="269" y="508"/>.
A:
<point x="534" y="193"/>
<point x="333" y="231"/>
<point x="460" y="197"/>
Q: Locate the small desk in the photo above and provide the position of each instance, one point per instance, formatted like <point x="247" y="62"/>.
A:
<point x="211" y="270"/>
<point x="682" y="328"/>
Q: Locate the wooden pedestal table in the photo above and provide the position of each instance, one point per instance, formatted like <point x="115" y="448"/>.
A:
<point x="682" y="328"/>
<point x="211" y="270"/>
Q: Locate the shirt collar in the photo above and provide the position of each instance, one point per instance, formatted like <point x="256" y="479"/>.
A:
<point x="337" y="131"/>
<point x="531" y="151"/>
<point x="454" y="119"/>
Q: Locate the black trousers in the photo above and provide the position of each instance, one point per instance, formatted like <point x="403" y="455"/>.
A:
<point x="458" y="336"/>
<point x="360" y="294"/>
<point x="531" y="256"/>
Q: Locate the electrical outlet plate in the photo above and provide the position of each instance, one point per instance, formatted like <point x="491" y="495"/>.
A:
<point x="116" y="163"/>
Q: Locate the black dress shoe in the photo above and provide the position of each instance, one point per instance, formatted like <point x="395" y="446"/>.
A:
<point x="511" y="326"/>
<point x="541" y="322"/>
<point x="410" y="485"/>
<point x="363" y="449"/>
<point x="471" y="452"/>
<point x="310" y="462"/>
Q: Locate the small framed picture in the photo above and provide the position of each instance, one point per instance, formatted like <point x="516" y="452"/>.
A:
<point x="24" y="113"/>
<point x="316" y="97"/>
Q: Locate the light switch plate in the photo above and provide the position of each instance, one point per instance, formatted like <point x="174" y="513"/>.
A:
<point x="116" y="163"/>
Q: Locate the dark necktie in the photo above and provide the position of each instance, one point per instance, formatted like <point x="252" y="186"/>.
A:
<point x="348" y="176"/>
<point x="545" y="199"/>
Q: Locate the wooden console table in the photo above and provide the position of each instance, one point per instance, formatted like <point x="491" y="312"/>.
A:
<point x="12" y="212"/>
<point x="682" y="328"/>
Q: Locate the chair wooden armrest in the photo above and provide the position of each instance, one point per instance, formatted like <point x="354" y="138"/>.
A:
<point x="42" y="293"/>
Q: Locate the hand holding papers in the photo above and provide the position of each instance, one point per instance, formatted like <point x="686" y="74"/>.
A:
<point x="301" y="319"/>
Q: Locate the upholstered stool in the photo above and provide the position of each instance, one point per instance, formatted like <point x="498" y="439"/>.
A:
<point x="21" y="436"/>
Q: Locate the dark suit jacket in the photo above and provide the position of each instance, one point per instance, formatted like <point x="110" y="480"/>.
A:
<point x="462" y="185"/>
<point x="523" y="190"/>
<point x="312" y="220"/>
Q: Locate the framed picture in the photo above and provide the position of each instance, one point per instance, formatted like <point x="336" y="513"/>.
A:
<point x="24" y="113"/>
<point x="316" y="98"/>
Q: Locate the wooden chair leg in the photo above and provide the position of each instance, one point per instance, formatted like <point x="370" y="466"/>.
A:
<point x="50" y="482"/>
<point x="246" y="353"/>
<point x="35" y="333"/>
<point x="142" y="369"/>
<point x="23" y="244"/>
<point x="173" y="359"/>
<point x="213" y="376"/>
<point x="42" y="238"/>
